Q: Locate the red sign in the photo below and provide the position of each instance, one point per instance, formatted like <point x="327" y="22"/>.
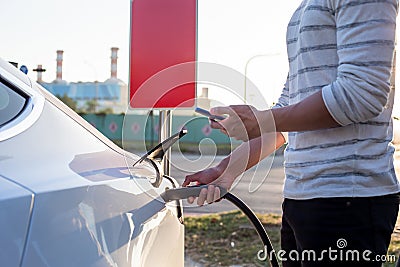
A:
<point x="163" y="54"/>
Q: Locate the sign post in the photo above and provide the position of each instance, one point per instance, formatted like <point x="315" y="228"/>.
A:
<point x="163" y="59"/>
<point x="165" y="122"/>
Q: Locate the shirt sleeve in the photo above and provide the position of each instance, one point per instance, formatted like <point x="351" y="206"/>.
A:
<point x="365" y="32"/>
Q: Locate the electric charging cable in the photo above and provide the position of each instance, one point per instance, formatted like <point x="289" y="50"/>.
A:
<point x="194" y="191"/>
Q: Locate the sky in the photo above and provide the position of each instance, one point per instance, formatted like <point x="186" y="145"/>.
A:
<point x="230" y="33"/>
<point x="85" y="30"/>
<point x="247" y="36"/>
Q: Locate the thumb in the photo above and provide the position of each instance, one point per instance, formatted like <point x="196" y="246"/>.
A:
<point x="189" y="178"/>
<point x="221" y="111"/>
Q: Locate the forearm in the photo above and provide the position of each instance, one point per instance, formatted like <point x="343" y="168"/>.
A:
<point x="307" y="115"/>
<point x="248" y="154"/>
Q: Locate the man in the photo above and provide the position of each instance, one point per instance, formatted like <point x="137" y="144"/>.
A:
<point x="341" y="191"/>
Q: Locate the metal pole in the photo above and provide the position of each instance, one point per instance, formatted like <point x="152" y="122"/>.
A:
<point x="165" y="123"/>
<point x="152" y="129"/>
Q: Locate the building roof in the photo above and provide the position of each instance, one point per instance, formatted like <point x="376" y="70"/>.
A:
<point x="86" y="90"/>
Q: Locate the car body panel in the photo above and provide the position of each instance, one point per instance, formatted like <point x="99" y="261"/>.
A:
<point x="103" y="225"/>
<point x="15" y="213"/>
<point x="88" y="205"/>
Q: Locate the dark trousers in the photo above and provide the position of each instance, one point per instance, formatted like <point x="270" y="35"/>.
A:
<point x="337" y="231"/>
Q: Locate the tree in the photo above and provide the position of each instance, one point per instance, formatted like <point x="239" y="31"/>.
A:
<point x="106" y="111"/>
<point x="91" y="106"/>
<point x="68" y="101"/>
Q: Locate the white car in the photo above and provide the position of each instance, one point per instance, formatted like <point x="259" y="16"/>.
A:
<point x="69" y="196"/>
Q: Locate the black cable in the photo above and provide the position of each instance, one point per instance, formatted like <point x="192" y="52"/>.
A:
<point x="179" y="209"/>
<point x="185" y="192"/>
<point x="257" y="225"/>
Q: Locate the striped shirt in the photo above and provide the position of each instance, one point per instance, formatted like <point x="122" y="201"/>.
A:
<point x="344" y="48"/>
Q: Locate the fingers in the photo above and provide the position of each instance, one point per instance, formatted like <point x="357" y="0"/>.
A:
<point x="209" y="195"/>
<point x="205" y="177"/>
<point x="232" y="126"/>
<point x="202" y="197"/>
<point x="190" y="200"/>
<point x="216" y="125"/>
<point x="217" y="193"/>
<point x="243" y="122"/>
<point x="222" y="111"/>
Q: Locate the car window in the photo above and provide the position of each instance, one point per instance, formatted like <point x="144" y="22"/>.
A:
<point x="12" y="103"/>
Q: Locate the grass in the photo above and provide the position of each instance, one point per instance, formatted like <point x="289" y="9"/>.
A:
<point x="227" y="239"/>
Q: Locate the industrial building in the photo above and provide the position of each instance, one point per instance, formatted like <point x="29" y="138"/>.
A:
<point x="112" y="93"/>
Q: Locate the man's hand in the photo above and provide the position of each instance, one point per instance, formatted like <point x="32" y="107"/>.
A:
<point x="245" y="156"/>
<point x="212" y="176"/>
<point x="244" y="122"/>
